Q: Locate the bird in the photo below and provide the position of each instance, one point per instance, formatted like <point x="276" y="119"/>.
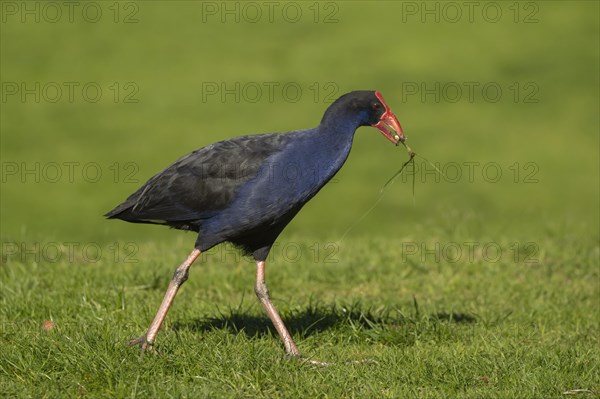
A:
<point x="247" y="189"/>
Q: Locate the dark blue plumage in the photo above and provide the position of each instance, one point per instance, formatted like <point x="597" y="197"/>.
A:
<point x="247" y="189"/>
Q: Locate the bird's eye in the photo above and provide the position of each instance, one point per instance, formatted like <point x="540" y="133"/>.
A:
<point x="376" y="105"/>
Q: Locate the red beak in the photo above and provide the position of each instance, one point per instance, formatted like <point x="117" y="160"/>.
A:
<point x="388" y="124"/>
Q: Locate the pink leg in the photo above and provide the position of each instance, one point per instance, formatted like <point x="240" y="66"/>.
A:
<point x="179" y="277"/>
<point x="263" y="295"/>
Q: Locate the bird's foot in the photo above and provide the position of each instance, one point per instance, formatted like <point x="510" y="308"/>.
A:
<point x="315" y="362"/>
<point x="143" y="343"/>
<point x="305" y="360"/>
<point x="363" y="361"/>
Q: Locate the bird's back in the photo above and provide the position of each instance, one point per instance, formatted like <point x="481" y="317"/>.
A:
<point x="200" y="184"/>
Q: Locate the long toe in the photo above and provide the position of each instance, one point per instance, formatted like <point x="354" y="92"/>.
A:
<point x="316" y="362"/>
<point x="143" y="343"/>
<point x="363" y="361"/>
<point x="311" y="361"/>
<point x="137" y="341"/>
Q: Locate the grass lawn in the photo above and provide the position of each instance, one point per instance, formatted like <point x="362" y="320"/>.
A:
<point x="474" y="329"/>
<point x="486" y="284"/>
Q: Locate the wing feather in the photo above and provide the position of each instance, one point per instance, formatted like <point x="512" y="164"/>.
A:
<point x="201" y="183"/>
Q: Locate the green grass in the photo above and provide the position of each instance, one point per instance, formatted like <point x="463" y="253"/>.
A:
<point x="480" y="329"/>
<point x="515" y="313"/>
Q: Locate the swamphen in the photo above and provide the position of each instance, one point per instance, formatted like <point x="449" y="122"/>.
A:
<point x="247" y="189"/>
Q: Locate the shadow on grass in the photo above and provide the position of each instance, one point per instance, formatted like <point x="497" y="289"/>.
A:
<point x="383" y="325"/>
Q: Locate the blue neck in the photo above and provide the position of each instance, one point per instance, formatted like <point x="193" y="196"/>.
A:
<point x="330" y="144"/>
<point x="336" y="133"/>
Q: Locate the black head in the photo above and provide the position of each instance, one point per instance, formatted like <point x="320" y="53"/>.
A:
<point x="366" y="108"/>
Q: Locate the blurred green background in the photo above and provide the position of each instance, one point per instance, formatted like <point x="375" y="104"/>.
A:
<point x="523" y="325"/>
<point x="154" y="61"/>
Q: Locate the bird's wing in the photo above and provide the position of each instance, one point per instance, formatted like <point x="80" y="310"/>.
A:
<point x="201" y="183"/>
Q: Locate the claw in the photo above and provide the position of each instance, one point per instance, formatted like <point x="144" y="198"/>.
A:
<point x="304" y="360"/>
<point x="314" y="362"/>
<point x="363" y="361"/>
<point x="143" y="343"/>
